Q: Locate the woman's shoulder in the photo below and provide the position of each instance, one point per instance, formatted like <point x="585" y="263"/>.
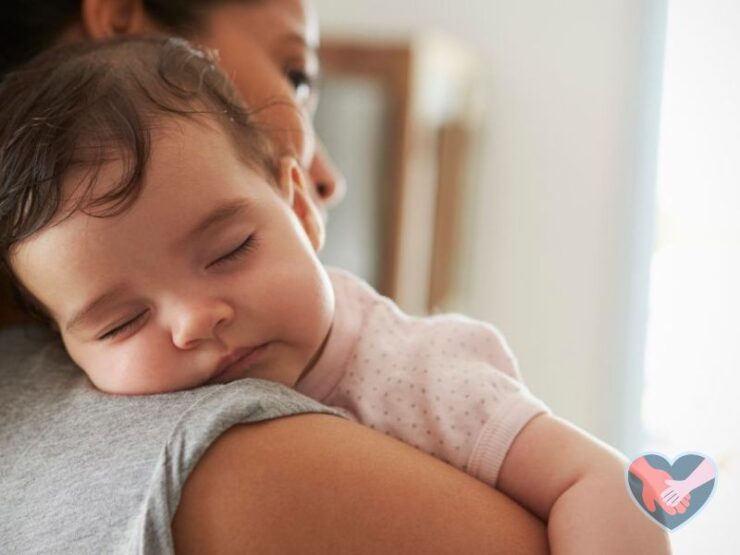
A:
<point x="71" y="455"/>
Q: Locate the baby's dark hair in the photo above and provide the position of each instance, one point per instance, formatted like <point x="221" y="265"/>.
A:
<point x="81" y="106"/>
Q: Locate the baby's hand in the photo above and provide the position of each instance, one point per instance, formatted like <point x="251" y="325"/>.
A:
<point x="678" y="490"/>
<point x="675" y="493"/>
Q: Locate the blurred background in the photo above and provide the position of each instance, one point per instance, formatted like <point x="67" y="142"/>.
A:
<point x="567" y="171"/>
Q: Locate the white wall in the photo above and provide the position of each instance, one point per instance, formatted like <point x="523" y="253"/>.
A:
<point x="561" y="231"/>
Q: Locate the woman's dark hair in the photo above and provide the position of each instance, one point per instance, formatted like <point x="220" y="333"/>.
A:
<point x="30" y="26"/>
<point x="80" y="106"/>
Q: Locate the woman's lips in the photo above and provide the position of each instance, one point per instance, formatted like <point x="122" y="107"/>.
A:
<point x="230" y="366"/>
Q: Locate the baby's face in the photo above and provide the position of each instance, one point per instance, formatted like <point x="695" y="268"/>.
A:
<point x="175" y="306"/>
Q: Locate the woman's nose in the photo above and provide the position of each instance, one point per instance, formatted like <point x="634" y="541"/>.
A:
<point x="328" y="181"/>
<point x="196" y="322"/>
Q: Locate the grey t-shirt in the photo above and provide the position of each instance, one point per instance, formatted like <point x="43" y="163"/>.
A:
<point x="85" y="472"/>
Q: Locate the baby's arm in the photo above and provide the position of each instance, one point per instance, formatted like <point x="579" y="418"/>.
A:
<point x="577" y="485"/>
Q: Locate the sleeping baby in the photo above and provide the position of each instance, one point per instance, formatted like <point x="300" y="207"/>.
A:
<point x="149" y="220"/>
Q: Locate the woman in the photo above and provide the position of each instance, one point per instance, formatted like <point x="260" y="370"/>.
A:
<point x="269" y="486"/>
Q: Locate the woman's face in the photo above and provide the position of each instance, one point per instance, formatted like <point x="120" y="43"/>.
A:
<point x="269" y="49"/>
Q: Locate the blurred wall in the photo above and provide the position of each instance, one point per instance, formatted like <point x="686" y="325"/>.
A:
<point x="559" y="233"/>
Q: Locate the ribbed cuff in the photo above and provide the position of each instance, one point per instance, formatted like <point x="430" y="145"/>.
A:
<point x="498" y="433"/>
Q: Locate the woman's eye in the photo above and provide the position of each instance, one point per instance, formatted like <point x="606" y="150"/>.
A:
<point x="236" y="254"/>
<point x="123" y="327"/>
<point x="302" y="84"/>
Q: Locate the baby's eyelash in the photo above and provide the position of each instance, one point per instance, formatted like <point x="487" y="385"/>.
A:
<point x="237" y="253"/>
<point x="120" y="329"/>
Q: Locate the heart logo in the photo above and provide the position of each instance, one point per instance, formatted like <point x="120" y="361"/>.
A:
<point x="671" y="494"/>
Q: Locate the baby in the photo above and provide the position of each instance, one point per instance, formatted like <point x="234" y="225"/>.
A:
<point x="149" y="220"/>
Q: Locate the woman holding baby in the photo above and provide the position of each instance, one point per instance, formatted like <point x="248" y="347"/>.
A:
<point x="194" y="471"/>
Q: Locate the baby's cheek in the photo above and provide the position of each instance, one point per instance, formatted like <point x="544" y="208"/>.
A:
<point x="312" y="312"/>
<point x="147" y="365"/>
<point x="136" y="366"/>
<point x="97" y="362"/>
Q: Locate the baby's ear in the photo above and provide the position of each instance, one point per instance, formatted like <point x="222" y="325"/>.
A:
<point x="293" y="186"/>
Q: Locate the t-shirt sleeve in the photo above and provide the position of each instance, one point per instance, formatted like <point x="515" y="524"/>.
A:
<point x="447" y="385"/>
<point x="508" y="406"/>
<point x="244" y="401"/>
<point x="500" y="405"/>
<point x="85" y="472"/>
<point x="512" y="411"/>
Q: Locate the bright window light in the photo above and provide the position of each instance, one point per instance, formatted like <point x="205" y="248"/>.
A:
<point x="692" y="371"/>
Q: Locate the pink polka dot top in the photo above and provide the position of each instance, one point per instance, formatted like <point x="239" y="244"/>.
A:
<point x="445" y="384"/>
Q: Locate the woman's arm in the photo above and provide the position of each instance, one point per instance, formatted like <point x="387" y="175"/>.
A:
<point x="317" y="483"/>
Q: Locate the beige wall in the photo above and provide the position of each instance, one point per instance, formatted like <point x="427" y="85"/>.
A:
<point x="560" y="227"/>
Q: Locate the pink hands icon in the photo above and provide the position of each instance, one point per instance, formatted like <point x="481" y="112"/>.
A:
<point x="678" y="489"/>
<point x="654" y="482"/>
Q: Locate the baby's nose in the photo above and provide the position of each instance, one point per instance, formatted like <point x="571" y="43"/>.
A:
<point x="200" y="322"/>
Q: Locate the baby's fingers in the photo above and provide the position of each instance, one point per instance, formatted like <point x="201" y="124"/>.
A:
<point x="669" y="509"/>
<point x="670" y="497"/>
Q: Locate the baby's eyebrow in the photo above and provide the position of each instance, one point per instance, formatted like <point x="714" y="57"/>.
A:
<point x="221" y="213"/>
<point x="82" y="314"/>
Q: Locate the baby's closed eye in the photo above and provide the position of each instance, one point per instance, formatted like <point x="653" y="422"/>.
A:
<point x="123" y="327"/>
